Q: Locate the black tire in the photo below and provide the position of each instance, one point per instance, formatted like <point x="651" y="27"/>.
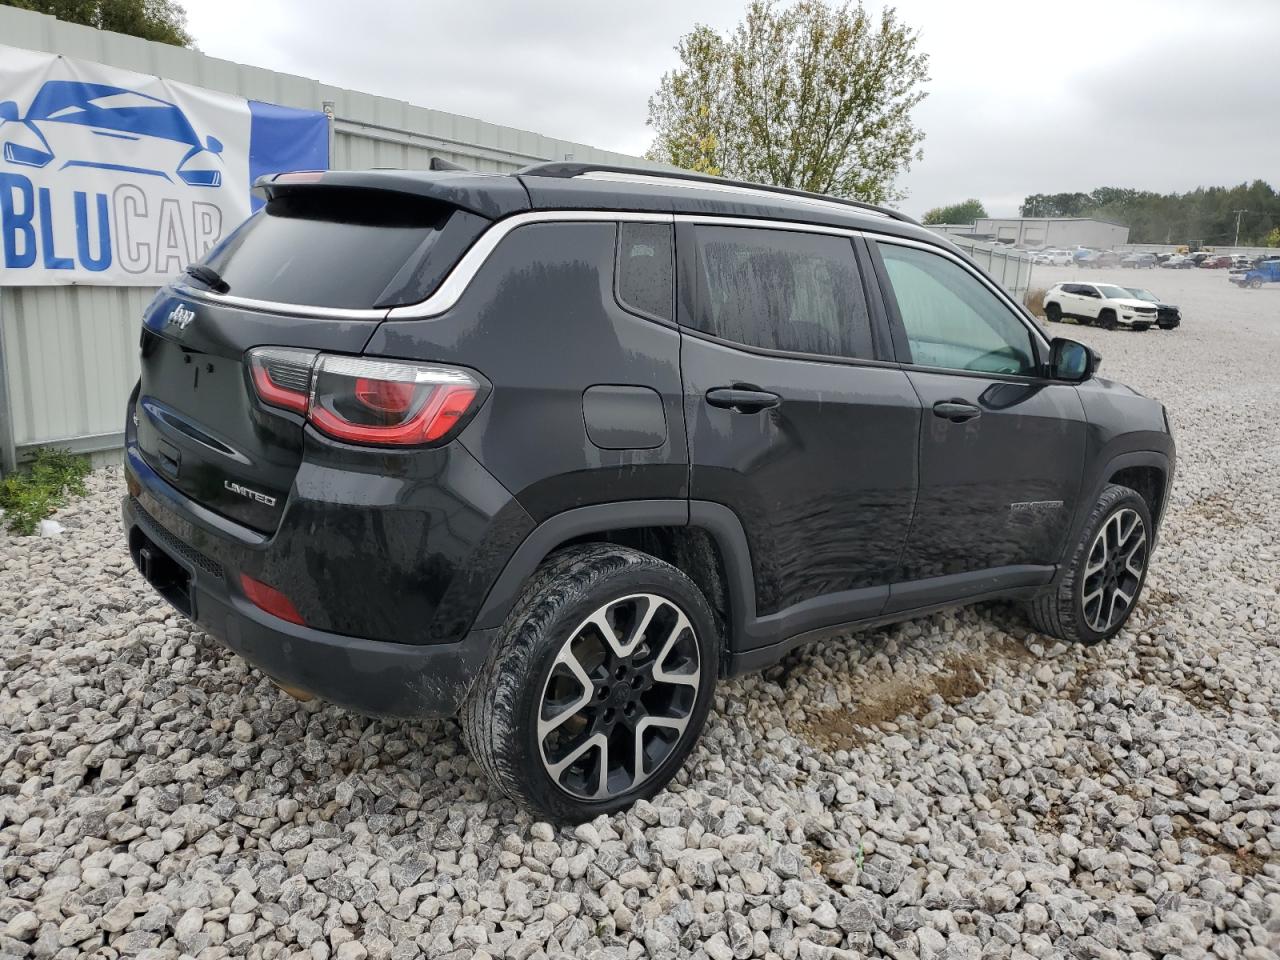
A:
<point x="1107" y="320"/>
<point x="500" y="720"/>
<point x="1053" y="313"/>
<point x="1167" y="326"/>
<point x="1255" y="284"/>
<point x="1063" y="612"/>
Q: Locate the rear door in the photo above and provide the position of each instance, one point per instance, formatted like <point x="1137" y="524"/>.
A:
<point x="1001" y="447"/>
<point x="1088" y="301"/>
<point x="1069" y="298"/>
<point x="794" y="422"/>
<point x="316" y="269"/>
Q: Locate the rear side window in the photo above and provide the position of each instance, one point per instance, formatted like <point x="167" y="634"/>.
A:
<point x="781" y="290"/>
<point x="328" y="247"/>
<point x="645" y="269"/>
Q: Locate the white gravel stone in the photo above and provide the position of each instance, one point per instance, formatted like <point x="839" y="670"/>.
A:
<point x="954" y="787"/>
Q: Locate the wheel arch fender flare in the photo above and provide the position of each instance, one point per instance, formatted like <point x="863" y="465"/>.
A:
<point x="1097" y="481"/>
<point x="721" y="523"/>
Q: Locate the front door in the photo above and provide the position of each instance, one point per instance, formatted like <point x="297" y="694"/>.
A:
<point x="793" y="423"/>
<point x="1001" y="446"/>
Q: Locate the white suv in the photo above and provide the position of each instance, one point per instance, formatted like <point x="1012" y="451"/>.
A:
<point x="1058" y="258"/>
<point x="1106" y="305"/>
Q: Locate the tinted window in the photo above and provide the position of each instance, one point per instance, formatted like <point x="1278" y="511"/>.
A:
<point x="782" y="290"/>
<point x="952" y="320"/>
<point x="645" y="268"/>
<point x="328" y="248"/>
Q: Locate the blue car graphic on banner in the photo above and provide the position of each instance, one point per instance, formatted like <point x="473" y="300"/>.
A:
<point x="75" y="124"/>
<point x="108" y="176"/>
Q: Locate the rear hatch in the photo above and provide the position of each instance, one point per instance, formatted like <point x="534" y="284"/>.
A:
<point x="317" y="269"/>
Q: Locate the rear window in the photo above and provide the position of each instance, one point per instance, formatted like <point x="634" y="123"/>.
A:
<point x="329" y="247"/>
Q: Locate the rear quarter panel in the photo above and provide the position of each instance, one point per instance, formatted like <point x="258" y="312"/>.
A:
<point x="541" y="323"/>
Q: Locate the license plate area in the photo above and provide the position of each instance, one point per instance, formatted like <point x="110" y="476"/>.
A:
<point x="169" y="578"/>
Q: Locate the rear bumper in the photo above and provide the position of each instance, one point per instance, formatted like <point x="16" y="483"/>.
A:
<point x="369" y="676"/>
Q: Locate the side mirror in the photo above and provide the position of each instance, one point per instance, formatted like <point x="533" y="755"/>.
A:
<point x="1071" y="361"/>
<point x="213" y="145"/>
<point x="9" y="111"/>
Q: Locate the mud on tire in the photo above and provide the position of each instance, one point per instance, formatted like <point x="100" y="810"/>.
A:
<point x="1070" y="612"/>
<point x="514" y="722"/>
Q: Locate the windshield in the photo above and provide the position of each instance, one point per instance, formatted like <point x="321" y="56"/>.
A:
<point x="1146" y="295"/>
<point x="110" y="108"/>
<point x="1113" y="293"/>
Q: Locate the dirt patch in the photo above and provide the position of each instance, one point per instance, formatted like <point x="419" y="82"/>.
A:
<point x="1243" y="860"/>
<point x="1156" y="597"/>
<point x="1219" y="509"/>
<point x="844" y="728"/>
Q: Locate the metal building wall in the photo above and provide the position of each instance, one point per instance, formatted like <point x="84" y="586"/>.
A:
<point x="1010" y="268"/>
<point x="69" y="353"/>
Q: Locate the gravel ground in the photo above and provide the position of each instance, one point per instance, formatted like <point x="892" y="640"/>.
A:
<point x="954" y="787"/>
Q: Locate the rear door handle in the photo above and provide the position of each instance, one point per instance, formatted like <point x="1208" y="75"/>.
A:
<point x="742" y="400"/>
<point x="957" y="411"/>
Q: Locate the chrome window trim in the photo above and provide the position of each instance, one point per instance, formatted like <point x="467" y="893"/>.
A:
<point x="455" y="283"/>
<point x="465" y="270"/>
<point x="756" y="223"/>
<point x="974" y="271"/>
<point x="273" y="306"/>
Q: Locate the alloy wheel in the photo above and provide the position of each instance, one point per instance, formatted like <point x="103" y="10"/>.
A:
<point x="1114" y="570"/>
<point x="618" y="697"/>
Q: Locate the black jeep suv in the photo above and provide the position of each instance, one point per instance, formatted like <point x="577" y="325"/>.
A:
<point x="556" y="450"/>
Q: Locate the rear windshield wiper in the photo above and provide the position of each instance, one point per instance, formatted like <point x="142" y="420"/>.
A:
<point x="208" y="276"/>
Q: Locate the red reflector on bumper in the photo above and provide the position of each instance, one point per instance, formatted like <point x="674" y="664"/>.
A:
<point x="270" y="599"/>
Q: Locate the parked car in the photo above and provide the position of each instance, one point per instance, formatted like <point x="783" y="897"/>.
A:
<point x="482" y="451"/>
<point x="1178" y="262"/>
<point x="1216" y="261"/>
<point x="1103" y="258"/>
<point x="1057" y="258"/>
<point x="1080" y="253"/>
<point x="1266" y="272"/>
<point x="1241" y="262"/>
<point x="1139" y="261"/>
<point x="1167" y="315"/>
<point x="1109" y="306"/>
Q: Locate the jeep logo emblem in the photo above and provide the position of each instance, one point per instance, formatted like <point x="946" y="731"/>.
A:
<point x="181" y="316"/>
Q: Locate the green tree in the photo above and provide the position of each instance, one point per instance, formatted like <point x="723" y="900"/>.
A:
<point x="162" y="20"/>
<point x="966" y="212"/>
<point x="1056" y="205"/>
<point x="805" y="96"/>
<point x="1273" y="238"/>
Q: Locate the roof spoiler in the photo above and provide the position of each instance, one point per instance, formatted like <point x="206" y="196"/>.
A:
<point x="488" y="195"/>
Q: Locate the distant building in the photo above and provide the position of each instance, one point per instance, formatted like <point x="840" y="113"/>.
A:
<point x="1036" y="232"/>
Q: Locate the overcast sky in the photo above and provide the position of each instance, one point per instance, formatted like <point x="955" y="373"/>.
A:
<point x="1024" y="97"/>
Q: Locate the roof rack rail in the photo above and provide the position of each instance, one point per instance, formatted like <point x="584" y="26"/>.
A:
<point x="440" y="163"/>
<point x="569" y="169"/>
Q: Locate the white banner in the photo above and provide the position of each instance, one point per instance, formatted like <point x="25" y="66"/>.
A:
<point x="109" y="176"/>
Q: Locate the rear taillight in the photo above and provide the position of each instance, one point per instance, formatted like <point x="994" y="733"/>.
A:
<point x="282" y="376"/>
<point x="363" y="400"/>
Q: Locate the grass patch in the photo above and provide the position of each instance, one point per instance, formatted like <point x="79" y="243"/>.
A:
<point x="53" y="476"/>
<point x="1034" y="300"/>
